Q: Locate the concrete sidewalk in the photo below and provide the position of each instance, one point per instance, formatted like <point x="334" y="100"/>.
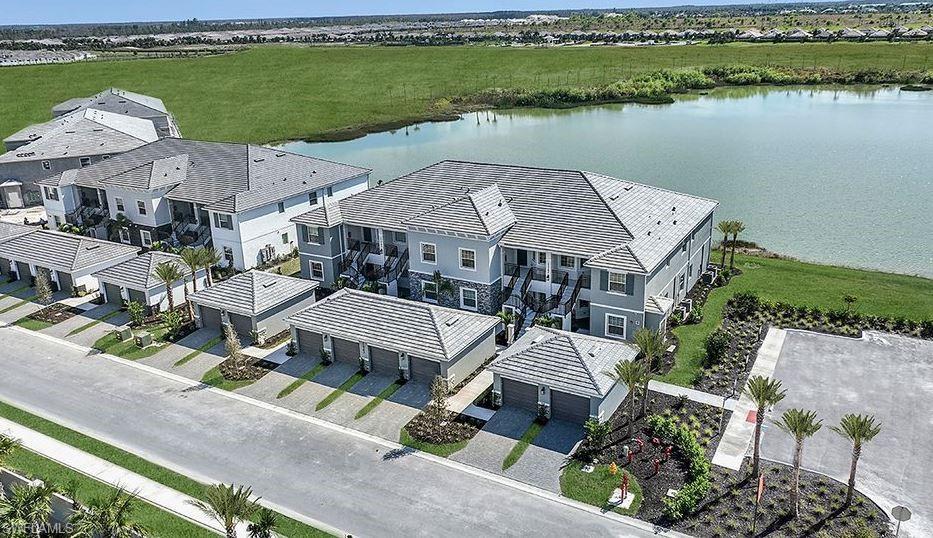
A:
<point x="698" y="396"/>
<point x="156" y="494"/>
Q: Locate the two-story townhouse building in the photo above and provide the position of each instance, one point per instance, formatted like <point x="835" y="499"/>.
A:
<point x="70" y="142"/>
<point x="237" y="198"/>
<point x="603" y="255"/>
<point x="127" y="103"/>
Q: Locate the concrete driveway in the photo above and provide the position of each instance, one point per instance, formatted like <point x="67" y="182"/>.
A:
<point x="24" y="309"/>
<point x="888" y="376"/>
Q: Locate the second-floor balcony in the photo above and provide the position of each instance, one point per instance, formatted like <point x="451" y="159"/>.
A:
<point x="539" y="274"/>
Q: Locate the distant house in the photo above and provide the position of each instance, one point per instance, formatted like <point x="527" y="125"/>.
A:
<point x="135" y="280"/>
<point x="126" y="103"/>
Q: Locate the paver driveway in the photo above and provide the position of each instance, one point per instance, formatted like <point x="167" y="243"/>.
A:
<point x="888" y="376"/>
<point x="90" y="335"/>
<point x="196" y="367"/>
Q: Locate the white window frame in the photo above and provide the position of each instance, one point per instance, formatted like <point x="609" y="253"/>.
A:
<point x="281" y="207"/>
<point x="145" y="237"/>
<point x="124" y="235"/>
<point x="424" y="285"/>
<point x="463" y="305"/>
<point x="285" y="238"/>
<point x="312" y="198"/>
<point x="314" y="264"/>
<point x="84" y="162"/>
<point x="560" y="262"/>
<point x="46" y="165"/>
<point x="682" y="282"/>
<point x="624" y="326"/>
<point x="219" y="219"/>
<point x="609" y="283"/>
<point x="540" y="257"/>
<point x="401" y="237"/>
<point x="421" y="250"/>
<point x="141" y="207"/>
<point x="51" y="193"/>
<point x="121" y="207"/>
<point x="461" y="251"/>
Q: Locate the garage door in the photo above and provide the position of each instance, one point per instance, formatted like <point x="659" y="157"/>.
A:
<point x="113" y="293"/>
<point x="383" y="361"/>
<point x="310" y="343"/>
<point x="570" y="407"/>
<point x="22" y="269"/>
<point x="66" y="283"/>
<point x="210" y="318"/>
<point x="346" y="351"/>
<point x="518" y="394"/>
<point x="423" y="370"/>
<point x="5" y="266"/>
<point x="137" y="296"/>
<point x="242" y="324"/>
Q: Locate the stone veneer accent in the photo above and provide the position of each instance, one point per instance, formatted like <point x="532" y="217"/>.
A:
<point x="487" y="295"/>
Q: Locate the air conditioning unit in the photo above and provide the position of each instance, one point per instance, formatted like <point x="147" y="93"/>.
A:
<point x="687" y="305"/>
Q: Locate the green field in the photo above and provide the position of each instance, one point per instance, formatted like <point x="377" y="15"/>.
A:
<point x="274" y="93"/>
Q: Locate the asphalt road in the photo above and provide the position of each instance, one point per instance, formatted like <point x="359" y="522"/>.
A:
<point x="331" y="476"/>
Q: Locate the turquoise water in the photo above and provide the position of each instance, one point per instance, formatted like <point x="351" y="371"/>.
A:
<point x="835" y="176"/>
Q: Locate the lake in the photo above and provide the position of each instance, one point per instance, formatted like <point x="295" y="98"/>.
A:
<point x="840" y="176"/>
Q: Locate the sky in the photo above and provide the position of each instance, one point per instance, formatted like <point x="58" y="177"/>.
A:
<point x="91" y="11"/>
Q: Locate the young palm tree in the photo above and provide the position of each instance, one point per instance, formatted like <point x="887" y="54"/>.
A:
<point x="725" y="228"/>
<point x="29" y="507"/>
<point x="168" y="273"/>
<point x="192" y="260"/>
<point x="209" y="258"/>
<point x="444" y="286"/>
<point x="8" y="445"/>
<point x="265" y="524"/>
<point x="737" y="228"/>
<point x="765" y="392"/>
<point x="800" y="424"/>
<point x="632" y="374"/>
<point x="651" y="344"/>
<point x="228" y="505"/>
<point x="858" y="429"/>
<point x="107" y="517"/>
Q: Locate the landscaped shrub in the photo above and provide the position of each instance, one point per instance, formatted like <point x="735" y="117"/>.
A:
<point x="596" y="433"/>
<point x="744" y="305"/>
<point x="698" y="484"/>
<point x="717" y="343"/>
<point x="926" y="328"/>
<point x="136" y="312"/>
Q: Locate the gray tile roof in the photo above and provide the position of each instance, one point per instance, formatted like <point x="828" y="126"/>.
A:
<point x="564" y="361"/>
<point x="419" y="329"/>
<point x="64" y="252"/>
<point x="327" y="216"/>
<point x="9" y="230"/>
<point x="620" y="258"/>
<point x="137" y="273"/>
<point x="227" y="177"/>
<point x="658" y="304"/>
<point x="86" y="133"/>
<point x="483" y="212"/>
<point x="252" y="292"/>
<point x="152" y="175"/>
<point x="123" y="102"/>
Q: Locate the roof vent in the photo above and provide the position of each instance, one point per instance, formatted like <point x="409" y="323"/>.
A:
<point x="630" y="187"/>
<point x="279" y="154"/>
<point x="258" y="160"/>
<point x="649" y="232"/>
<point x="91" y="247"/>
<point x="452" y="322"/>
<point x="659" y="223"/>
<point x="614" y="197"/>
<point x="268" y="285"/>
<point x="675" y="221"/>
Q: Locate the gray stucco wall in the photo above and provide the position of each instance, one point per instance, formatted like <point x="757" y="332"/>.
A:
<point x="28" y="172"/>
<point x="470" y="359"/>
<point x="329" y="253"/>
<point x="606" y="407"/>
<point x="664" y="280"/>
<point x="448" y="257"/>
<point x="272" y="320"/>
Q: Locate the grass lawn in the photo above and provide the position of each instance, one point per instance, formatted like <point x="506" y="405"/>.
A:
<point x="438" y="450"/>
<point x="344" y="387"/>
<point x="381" y="397"/>
<point x="87" y="326"/>
<point x="155" y="520"/>
<point x="595" y="488"/>
<point x="214" y="378"/>
<point x="289" y="267"/>
<point x="18" y="304"/>
<point x="804" y="284"/>
<point x="109" y="343"/>
<point x="522" y="445"/>
<point x="287" y="526"/>
<point x="32" y="324"/>
<point x="308" y="376"/>
<point x="207" y="345"/>
<point x="313" y="92"/>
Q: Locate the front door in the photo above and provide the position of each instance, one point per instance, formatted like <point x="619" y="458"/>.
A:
<point x="368" y="235"/>
<point x="522" y="257"/>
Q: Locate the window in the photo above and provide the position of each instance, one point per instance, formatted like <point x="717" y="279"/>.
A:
<point x="617" y="282"/>
<point x="312" y="198"/>
<point x="683" y="248"/>
<point x="311" y="235"/>
<point x="85" y="161"/>
<point x="51" y="193"/>
<point x="223" y="220"/>
<point x="119" y="204"/>
<point x="57" y="221"/>
<point x="468" y="259"/>
<point x="681" y="284"/>
<point x="228" y="255"/>
<point x="567" y="262"/>
<point x="429" y="291"/>
<point x="124" y="236"/>
<point x="141" y="207"/>
<point x="330" y="191"/>
<point x="615" y="326"/>
<point x="468" y="298"/>
<point x="541" y="257"/>
<point x="429" y="253"/>
<point x="281" y="207"/>
<point x="317" y="271"/>
<point x="285" y="238"/>
<point x="401" y="237"/>
<point x="46" y="165"/>
<point x="146" y="238"/>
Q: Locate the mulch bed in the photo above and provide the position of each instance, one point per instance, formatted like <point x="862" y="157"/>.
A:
<point x="275" y="339"/>
<point x="245" y="368"/>
<point x="55" y="313"/>
<point x="453" y="429"/>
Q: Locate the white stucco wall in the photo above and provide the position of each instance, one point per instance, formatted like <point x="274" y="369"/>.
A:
<point x="157" y="207"/>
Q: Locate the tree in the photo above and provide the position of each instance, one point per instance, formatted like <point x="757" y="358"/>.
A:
<point x="547" y="321"/>
<point x="596" y="433"/>
<point x="444" y="286"/>
<point x="27" y="510"/>
<point x="850" y="301"/>
<point x="136" y="312"/>
<point x="765" y="392"/>
<point x="736" y="228"/>
<point x="632" y="374"/>
<point x="43" y="286"/>
<point x="107" y="517"/>
<point x="168" y="273"/>
<point x="800" y="424"/>
<point x="437" y="411"/>
<point x="228" y="505"/>
<point x="858" y="429"/>
<point x="209" y="258"/>
<point x="265" y="524"/>
<point x="651" y="345"/>
<point x="232" y="341"/>
<point x="725" y="228"/>
<point x="121" y="222"/>
<point x="192" y="260"/>
<point x="8" y="445"/>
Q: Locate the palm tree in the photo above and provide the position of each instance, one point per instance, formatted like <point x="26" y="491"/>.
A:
<point x="8" y="445"/>
<point x="800" y="424"/>
<point x="209" y="258"/>
<point x="737" y="228"/>
<point x="444" y="286"/>
<point x="168" y="273"/>
<point x="265" y="524"/>
<point x="725" y="228"/>
<point x="858" y="429"/>
<point x="107" y="517"/>
<point x="228" y="505"/>
<point x="651" y="344"/>
<point x="192" y="260"/>
<point x="765" y="392"/>
<point x="632" y="374"/>
<point x="29" y="508"/>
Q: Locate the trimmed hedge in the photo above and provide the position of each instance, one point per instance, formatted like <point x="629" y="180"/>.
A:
<point x="698" y="469"/>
